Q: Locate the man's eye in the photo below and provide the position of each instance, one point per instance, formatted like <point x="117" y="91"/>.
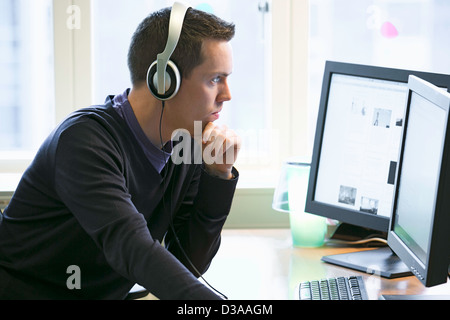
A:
<point x="216" y="80"/>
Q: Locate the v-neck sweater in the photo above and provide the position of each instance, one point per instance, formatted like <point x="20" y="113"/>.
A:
<point x="91" y="199"/>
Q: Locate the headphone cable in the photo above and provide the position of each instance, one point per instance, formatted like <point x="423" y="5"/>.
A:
<point x="165" y="159"/>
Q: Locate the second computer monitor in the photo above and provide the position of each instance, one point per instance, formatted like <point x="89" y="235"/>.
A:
<point x="420" y="226"/>
<point x="357" y="143"/>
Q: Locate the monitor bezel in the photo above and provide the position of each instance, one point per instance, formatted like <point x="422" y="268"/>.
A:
<point x="354" y="217"/>
<point x="435" y="270"/>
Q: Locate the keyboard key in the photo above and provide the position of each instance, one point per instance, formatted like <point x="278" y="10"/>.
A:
<point x="305" y="291"/>
<point x="324" y="294"/>
<point x="315" y="290"/>
<point x="334" y="291"/>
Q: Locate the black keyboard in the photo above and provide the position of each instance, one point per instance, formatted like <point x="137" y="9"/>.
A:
<point x="339" y="288"/>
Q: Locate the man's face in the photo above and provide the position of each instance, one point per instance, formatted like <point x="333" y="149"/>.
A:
<point x="202" y="95"/>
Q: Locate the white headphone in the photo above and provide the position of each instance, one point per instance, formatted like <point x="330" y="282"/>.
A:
<point x="163" y="76"/>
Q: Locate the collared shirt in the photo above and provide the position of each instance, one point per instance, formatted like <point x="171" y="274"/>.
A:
<point x="158" y="157"/>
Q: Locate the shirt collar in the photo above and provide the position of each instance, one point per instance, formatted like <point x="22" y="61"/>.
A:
<point x="157" y="157"/>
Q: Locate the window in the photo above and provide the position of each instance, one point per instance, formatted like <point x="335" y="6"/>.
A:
<point x="405" y="34"/>
<point x="77" y="35"/>
<point x="72" y="55"/>
<point x="26" y="85"/>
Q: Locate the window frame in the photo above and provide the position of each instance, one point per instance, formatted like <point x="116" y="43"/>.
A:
<point x="289" y="102"/>
<point x="73" y="79"/>
<point x="73" y="58"/>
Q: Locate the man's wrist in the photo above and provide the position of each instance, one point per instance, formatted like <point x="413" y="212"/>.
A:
<point x="221" y="175"/>
<point x="228" y="175"/>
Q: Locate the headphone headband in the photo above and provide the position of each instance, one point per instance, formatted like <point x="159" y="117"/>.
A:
<point x="177" y="16"/>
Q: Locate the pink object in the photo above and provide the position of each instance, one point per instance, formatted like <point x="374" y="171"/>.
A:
<point x="388" y="30"/>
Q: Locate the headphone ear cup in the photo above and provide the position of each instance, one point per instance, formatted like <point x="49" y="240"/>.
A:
<point x="167" y="81"/>
<point x="172" y="81"/>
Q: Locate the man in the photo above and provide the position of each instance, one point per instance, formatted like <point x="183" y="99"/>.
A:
<point x="89" y="215"/>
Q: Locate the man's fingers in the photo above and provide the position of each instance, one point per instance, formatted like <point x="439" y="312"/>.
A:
<point x="220" y="144"/>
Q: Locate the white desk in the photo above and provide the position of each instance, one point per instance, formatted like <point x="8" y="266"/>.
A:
<point x="263" y="265"/>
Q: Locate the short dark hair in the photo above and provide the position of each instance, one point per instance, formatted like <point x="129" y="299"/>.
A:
<point x="151" y="36"/>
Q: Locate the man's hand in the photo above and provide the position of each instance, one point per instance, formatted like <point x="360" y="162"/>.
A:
<point x="220" y="150"/>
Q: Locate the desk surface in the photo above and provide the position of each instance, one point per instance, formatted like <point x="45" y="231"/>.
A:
<point x="263" y="265"/>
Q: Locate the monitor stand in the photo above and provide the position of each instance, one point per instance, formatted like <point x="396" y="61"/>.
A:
<point x="350" y="233"/>
<point x="381" y="261"/>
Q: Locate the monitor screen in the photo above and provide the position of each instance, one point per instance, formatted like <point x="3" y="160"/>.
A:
<point x="358" y="142"/>
<point x="420" y="227"/>
<point x="421" y="171"/>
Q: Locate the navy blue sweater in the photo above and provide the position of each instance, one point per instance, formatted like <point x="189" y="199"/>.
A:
<point x="91" y="199"/>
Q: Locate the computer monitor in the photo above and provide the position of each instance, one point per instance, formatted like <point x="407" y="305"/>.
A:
<point x="356" y="151"/>
<point x="419" y="231"/>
